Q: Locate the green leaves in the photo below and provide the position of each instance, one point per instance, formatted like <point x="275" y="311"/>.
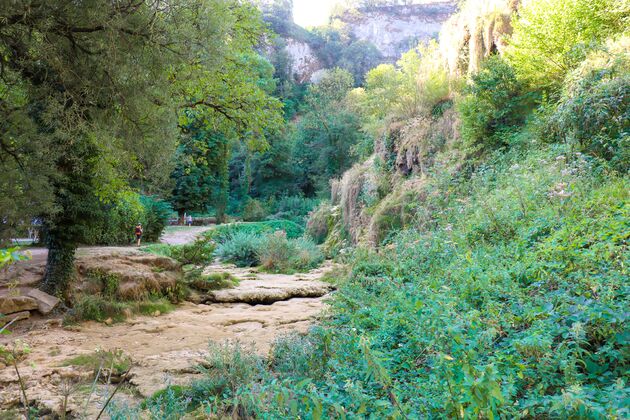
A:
<point x="9" y="256"/>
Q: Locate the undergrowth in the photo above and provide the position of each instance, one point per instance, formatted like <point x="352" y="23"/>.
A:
<point x="103" y="308"/>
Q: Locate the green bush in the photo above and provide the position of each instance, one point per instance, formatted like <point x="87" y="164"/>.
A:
<point x="156" y="215"/>
<point x="594" y="117"/>
<point x="104" y="363"/>
<point x="552" y="37"/>
<point x="320" y="222"/>
<point x="200" y="252"/>
<point x="101" y="308"/>
<point x="116" y="221"/>
<point x="279" y="254"/>
<point x="223" y="233"/>
<point x="254" y="211"/>
<point x="214" y="281"/>
<point x="240" y="248"/>
<point x="275" y="252"/>
<point x="494" y="103"/>
<point x="96" y="308"/>
<point x="293" y="208"/>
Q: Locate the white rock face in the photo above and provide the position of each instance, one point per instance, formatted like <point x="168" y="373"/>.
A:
<point x="304" y="62"/>
<point x="396" y="29"/>
<point x="392" y="29"/>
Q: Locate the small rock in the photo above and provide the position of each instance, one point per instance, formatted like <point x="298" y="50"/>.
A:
<point x="74" y="328"/>
<point x="156" y="313"/>
<point x="15" y="316"/>
<point x="13" y="304"/>
<point x="108" y="321"/>
<point x="45" y="302"/>
<point x="55" y="322"/>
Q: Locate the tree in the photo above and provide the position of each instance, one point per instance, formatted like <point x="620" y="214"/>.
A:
<point x="88" y="96"/>
<point x="202" y="171"/>
<point x="326" y="133"/>
<point x="551" y="37"/>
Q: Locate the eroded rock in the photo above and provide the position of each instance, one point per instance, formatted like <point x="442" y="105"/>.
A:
<point x="14" y="304"/>
<point x="18" y="316"/>
<point x="256" y="292"/>
<point x="45" y="302"/>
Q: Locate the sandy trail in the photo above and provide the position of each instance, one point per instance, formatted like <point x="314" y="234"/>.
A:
<point x="179" y="235"/>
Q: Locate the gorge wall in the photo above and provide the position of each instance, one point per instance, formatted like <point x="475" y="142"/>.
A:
<point x="396" y="29"/>
<point x="391" y="30"/>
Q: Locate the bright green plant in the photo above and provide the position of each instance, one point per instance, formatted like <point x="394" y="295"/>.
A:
<point x="224" y="232"/>
<point x="493" y="105"/>
<point x="552" y="37"/>
<point x="593" y="115"/>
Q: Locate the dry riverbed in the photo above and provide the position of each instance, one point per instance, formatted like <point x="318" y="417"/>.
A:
<point x="163" y="348"/>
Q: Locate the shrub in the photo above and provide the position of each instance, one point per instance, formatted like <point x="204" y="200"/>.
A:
<point x="552" y="37"/>
<point x="115" y="222"/>
<point x="200" y="252"/>
<point x="307" y="254"/>
<point x="279" y="254"/>
<point x="156" y="215"/>
<point x="104" y="363"/>
<point x="594" y="114"/>
<point x="227" y="368"/>
<point x="293" y="208"/>
<point x="213" y="281"/>
<point x="494" y="104"/>
<point x="320" y="222"/>
<point x="96" y="308"/>
<point x="101" y="308"/>
<point x="275" y="252"/>
<point x="254" y="211"/>
<point x="225" y="232"/>
<point x="240" y="248"/>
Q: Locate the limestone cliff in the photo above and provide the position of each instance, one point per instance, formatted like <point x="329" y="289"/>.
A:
<point x="396" y="29"/>
<point x="386" y="32"/>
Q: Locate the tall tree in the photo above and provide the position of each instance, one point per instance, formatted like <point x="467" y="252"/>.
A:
<point x="327" y="132"/>
<point x="92" y="94"/>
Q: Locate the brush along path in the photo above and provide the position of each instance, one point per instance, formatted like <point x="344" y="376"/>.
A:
<point x="164" y="349"/>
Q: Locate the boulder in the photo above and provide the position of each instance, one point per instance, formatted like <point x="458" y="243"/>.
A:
<point x="16" y="316"/>
<point x="13" y="304"/>
<point x="45" y="302"/>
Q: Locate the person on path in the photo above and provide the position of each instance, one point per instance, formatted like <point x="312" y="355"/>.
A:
<point x="138" y="233"/>
<point x="189" y="220"/>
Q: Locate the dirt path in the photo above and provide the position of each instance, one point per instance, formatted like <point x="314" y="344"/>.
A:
<point x="165" y="349"/>
<point x="179" y="235"/>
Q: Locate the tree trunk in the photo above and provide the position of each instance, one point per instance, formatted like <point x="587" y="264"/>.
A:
<point x="59" y="268"/>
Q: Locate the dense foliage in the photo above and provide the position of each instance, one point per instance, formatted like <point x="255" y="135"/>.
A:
<point x="500" y="289"/>
<point x="92" y="98"/>
<point x="486" y="231"/>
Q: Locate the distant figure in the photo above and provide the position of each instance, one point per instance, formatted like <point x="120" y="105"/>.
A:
<point x="139" y="233"/>
<point x="189" y="220"/>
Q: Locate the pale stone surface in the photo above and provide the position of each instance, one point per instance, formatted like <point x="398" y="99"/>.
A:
<point x="396" y="29"/>
<point x="12" y="304"/>
<point x="45" y="302"/>
<point x="18" y="316"/>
